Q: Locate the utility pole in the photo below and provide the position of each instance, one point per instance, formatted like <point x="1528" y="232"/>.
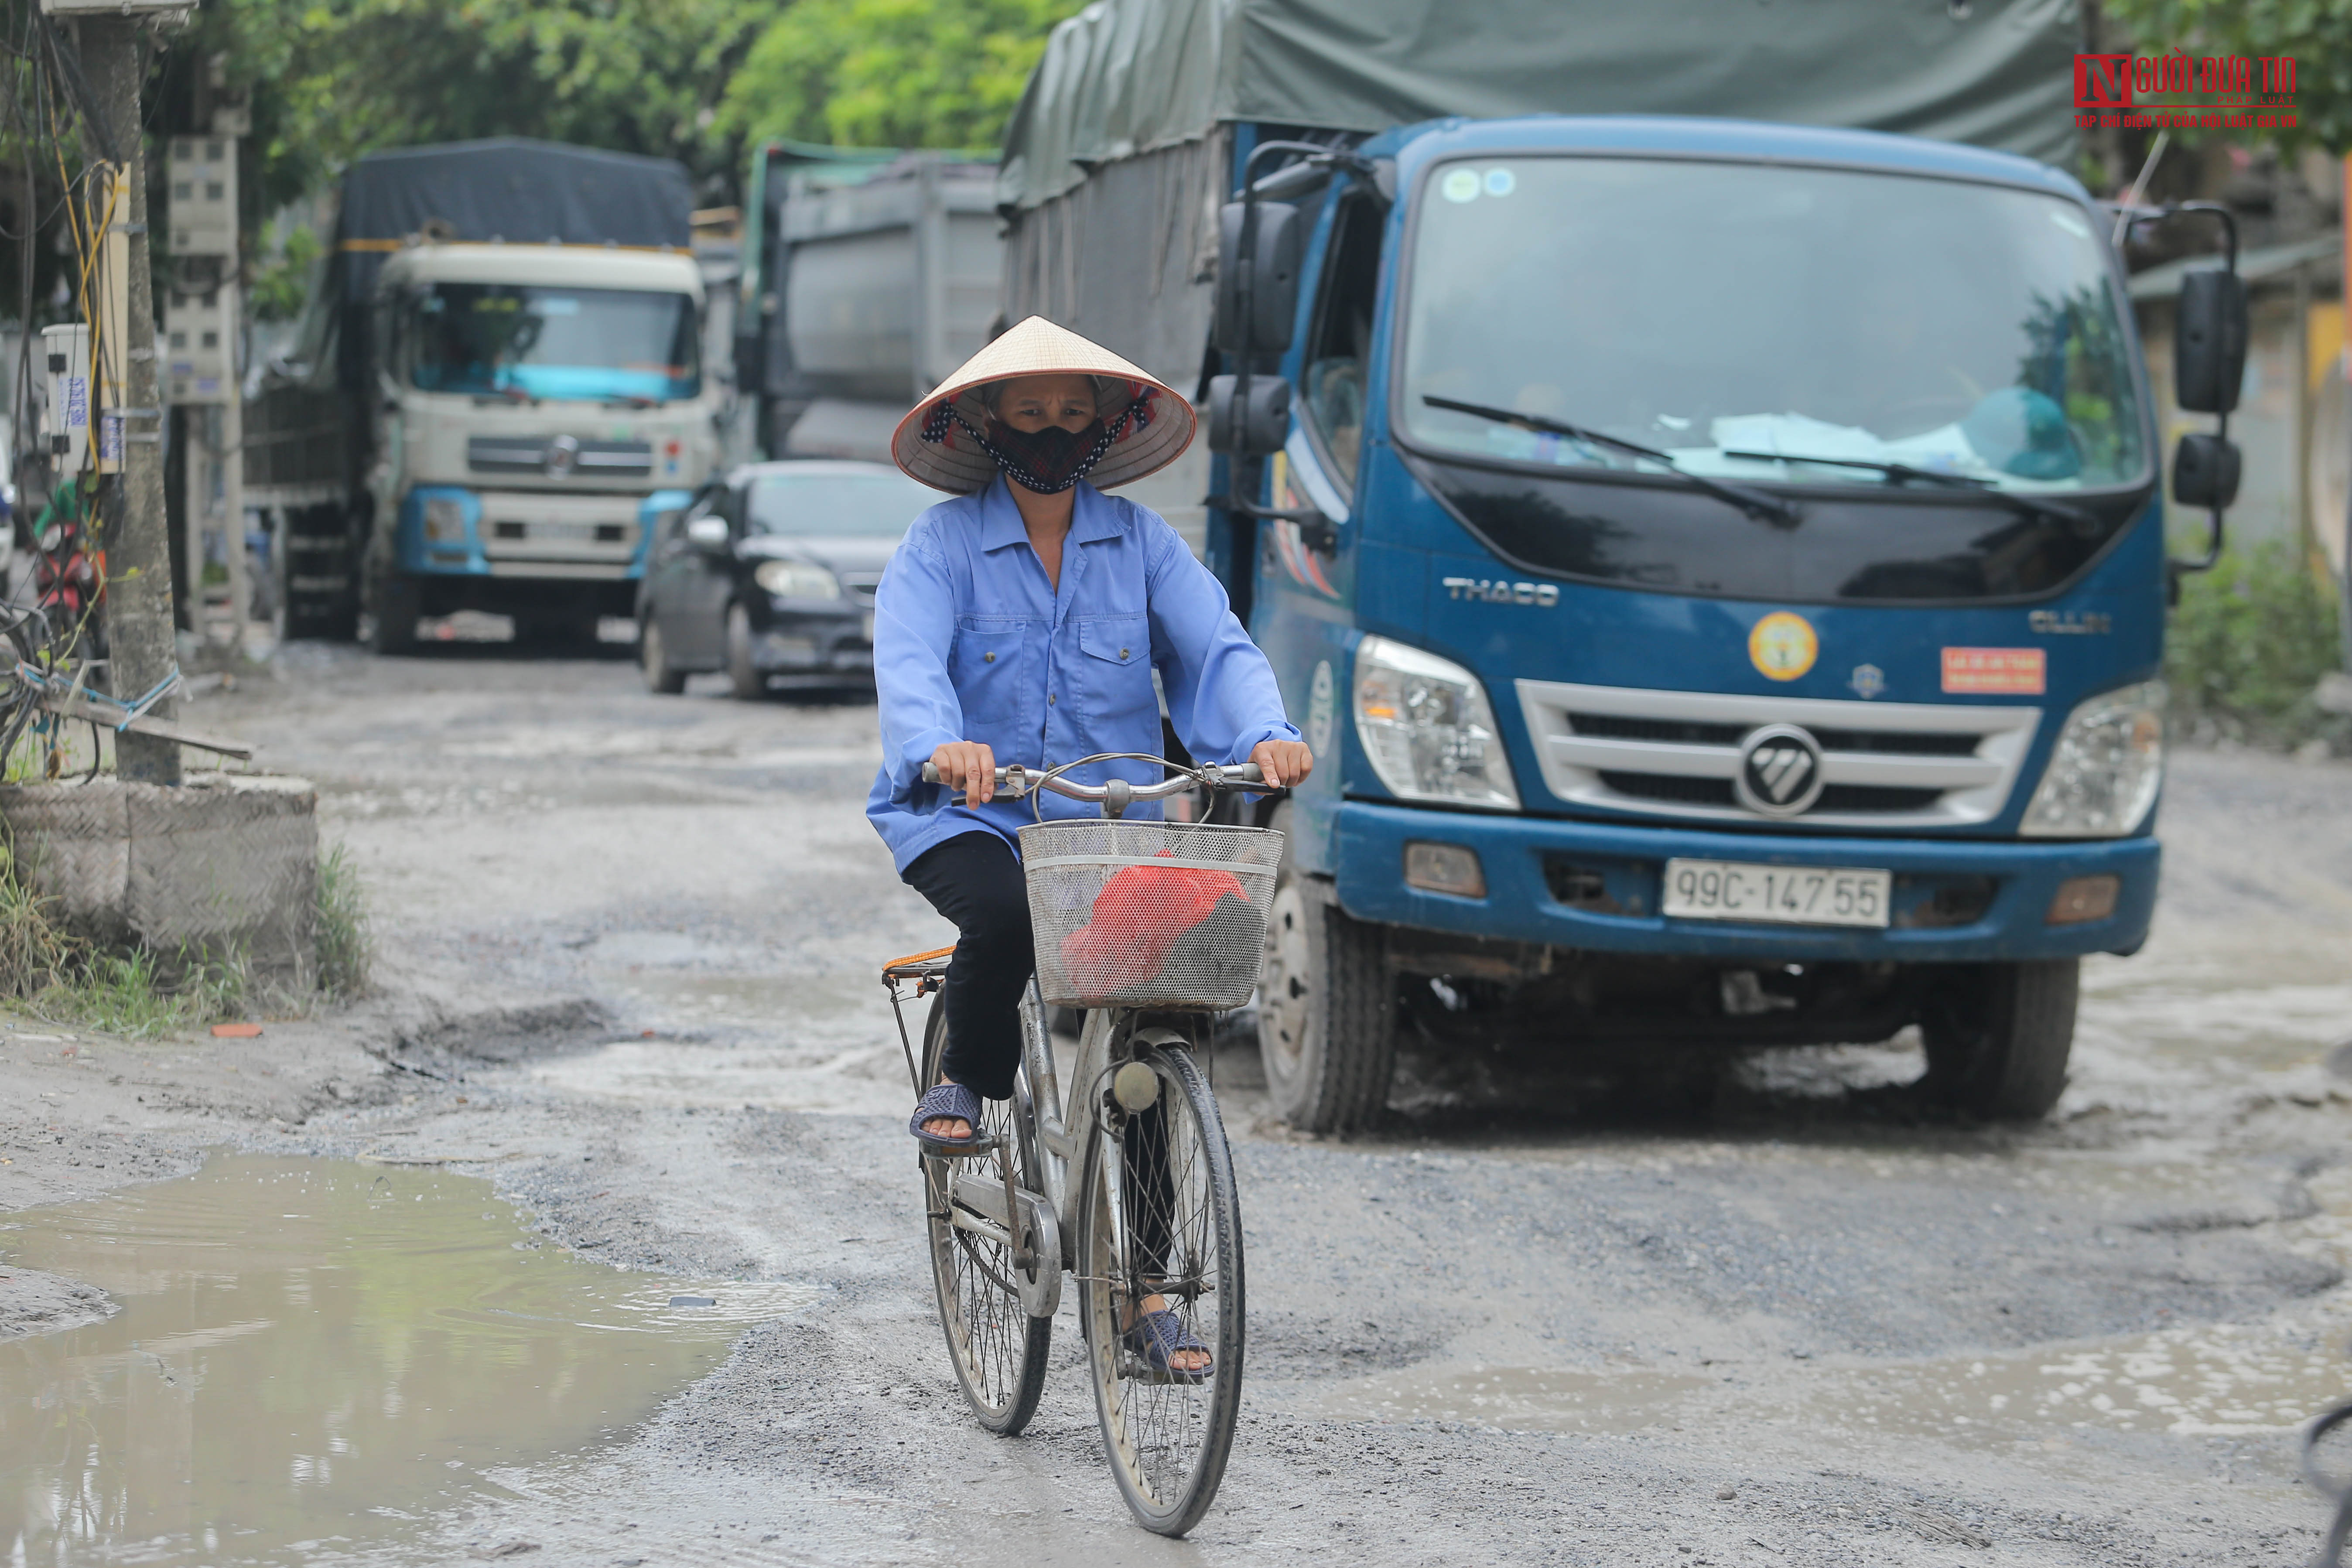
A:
<point x="142" y="645"/>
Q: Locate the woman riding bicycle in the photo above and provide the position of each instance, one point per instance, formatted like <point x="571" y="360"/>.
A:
<point x="1023" y="623"/>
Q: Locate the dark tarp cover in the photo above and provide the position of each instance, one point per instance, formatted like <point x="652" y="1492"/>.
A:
<point x="1126" y="77"/>
<point x="509" y="188"/>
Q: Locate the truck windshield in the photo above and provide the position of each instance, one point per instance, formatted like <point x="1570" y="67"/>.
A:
<point x="1740" y="318"/>
<point x="878" y="505"/>
<point x="520" y="340"/>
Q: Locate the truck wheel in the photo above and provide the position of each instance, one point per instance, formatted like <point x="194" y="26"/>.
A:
<point x="751" y="684"/>
<point x="393" y="607"/>
<point x="1998" y="1036"/>
<point x="662" y="677"/>
<point x="1326" y="1012"/>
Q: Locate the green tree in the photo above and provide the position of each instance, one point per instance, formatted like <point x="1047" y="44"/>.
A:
<point x="889" y="73"/>
<point x="334" y="78"/>
<point x="2316" y="33"/>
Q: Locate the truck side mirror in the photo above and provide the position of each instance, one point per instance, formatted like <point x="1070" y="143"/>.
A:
<point x="1262" y="428"/>
<point x="2209" y="350"/>
<point x="2205" y="472"/>
<point x="1273" y="282"/>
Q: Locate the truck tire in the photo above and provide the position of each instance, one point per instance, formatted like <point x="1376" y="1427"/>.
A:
<point x="750" y="682"/>
<point x="663" y="679"/>
<point x="1326" y="1012"/>
<point x="393" y="606"/>
<point x="1998" y="1035"/>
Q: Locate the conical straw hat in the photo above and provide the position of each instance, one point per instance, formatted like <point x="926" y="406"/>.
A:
<point x="941" y="453"/>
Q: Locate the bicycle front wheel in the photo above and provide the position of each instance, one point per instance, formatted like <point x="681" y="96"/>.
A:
<point x="997" y="1349"/>
<point x="1159" y="1216"/>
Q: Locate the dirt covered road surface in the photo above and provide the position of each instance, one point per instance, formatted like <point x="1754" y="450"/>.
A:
<point x="594" y="1236"/>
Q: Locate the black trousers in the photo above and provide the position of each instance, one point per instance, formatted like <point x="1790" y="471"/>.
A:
<point x="974" y="881"/>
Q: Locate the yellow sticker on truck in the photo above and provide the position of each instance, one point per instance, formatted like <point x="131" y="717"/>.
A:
<point x="1783" y="645"/>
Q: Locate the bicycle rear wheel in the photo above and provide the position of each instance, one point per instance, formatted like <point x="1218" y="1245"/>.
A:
<point x="1158" y="1215"/>
<point x="997" y="1349"/>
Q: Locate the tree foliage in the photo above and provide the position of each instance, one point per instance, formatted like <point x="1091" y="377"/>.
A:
<point x="330" y="79"/>
<point x="890" y="73"/>
<point x="2316" y="33"/>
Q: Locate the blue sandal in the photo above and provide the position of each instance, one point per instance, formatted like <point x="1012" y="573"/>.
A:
<point x="1159" y="1338"/>
<point x="948" y="1099"/>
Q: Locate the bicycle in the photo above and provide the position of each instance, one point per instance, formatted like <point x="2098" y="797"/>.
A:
<point x="1128" y="1187"/>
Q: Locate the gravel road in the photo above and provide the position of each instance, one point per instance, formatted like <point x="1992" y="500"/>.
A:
<point x="628" y="947"/>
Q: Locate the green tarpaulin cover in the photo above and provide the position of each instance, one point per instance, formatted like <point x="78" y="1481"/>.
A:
<point x="1125" y="77"/>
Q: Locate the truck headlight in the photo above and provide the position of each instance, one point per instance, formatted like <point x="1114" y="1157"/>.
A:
<point x="796" y="580"/>
<point x="2106" y="768"/>
<point x="1426" y="725"/>
<point x="444" y="519"/>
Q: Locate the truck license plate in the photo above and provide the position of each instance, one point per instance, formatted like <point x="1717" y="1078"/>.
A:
<point x="1785" y="895"/>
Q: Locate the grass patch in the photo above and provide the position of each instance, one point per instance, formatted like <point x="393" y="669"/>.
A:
<point x="346" y="946"/>
<point x="2248" y="642"/>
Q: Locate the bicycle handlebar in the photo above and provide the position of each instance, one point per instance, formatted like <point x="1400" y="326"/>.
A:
<point x="1015" y="782"/>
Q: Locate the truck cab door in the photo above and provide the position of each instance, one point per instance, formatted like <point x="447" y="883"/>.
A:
<point x="1313" y="476"/>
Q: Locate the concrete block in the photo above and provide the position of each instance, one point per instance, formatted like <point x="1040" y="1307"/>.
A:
<point x="225" y="862"/>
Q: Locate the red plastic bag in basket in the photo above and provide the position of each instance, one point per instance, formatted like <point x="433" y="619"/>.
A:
<point x="1142" y="912"/>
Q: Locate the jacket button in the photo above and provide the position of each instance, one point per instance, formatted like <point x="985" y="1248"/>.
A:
<point x="1122" y="653"/>
<point x="988" y="658"/>
<point x="1049" y="700"/>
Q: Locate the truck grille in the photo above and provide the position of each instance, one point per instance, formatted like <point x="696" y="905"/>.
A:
<point x="528" y="455"/>
<point x="1676" y="754"/>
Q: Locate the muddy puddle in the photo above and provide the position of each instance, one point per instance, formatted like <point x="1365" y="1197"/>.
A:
<point x="808" y="1043"/>
<point x="2216" y="1380"/>
<point x="315" y="1356"/>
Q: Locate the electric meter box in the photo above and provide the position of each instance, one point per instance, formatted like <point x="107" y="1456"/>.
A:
<point x="201" y="176"/>
<point x="198" y="345"/>
<point x="65" y="418"/>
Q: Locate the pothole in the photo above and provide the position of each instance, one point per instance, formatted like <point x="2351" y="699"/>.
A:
<point x="315" y="1356"/>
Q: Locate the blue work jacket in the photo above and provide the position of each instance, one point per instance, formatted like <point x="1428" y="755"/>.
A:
<point x="973" y="642"/>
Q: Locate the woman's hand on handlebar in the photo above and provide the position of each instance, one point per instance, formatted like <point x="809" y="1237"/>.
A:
<point x="1284" y="762"/>
<point x="970" y="766"/>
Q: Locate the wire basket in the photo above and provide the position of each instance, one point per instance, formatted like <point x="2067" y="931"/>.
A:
<point x="1149" y="914"/>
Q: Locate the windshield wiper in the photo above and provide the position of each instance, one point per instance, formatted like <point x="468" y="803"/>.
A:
<point x="1903" y="474"/>
<point x="1896" y="473"/>
<point x="1755" y="503"/>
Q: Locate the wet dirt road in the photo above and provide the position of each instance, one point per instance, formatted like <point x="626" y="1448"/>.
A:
<point x="628" y="954"/>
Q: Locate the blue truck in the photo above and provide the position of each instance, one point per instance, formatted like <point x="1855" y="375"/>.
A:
<point x="1717" y="561"/>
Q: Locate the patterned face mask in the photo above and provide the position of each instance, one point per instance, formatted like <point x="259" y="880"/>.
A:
<point x="1044" y="461"/>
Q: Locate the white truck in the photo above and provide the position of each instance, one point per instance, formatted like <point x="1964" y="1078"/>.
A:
<point x="497" y="392"/>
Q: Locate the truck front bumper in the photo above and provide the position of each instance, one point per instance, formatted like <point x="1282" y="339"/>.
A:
<point x="455" y="531"/>
<point x="1594" y="885"/>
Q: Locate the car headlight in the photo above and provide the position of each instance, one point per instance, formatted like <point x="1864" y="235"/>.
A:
<point x="2105" y="771"/>
<point x="796" y="580"/>
<point x="1428" y="728"/>
<point x="444" y="519"/>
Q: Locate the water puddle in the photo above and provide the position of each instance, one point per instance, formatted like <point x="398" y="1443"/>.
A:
<point x="2186" y="1382"/>
<point x="313" y="1354"/>
<point x="822" y="1044"/>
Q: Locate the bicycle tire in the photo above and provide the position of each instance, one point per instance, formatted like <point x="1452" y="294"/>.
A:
<point x="997" y="1349"/>
<point x="1166" y="1439"/>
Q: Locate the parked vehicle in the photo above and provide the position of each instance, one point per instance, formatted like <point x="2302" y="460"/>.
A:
<point x="770" y="575"/>
<point x="1719" y="563"/>
<point x="498" y="390"/>
<point x="867" y="275"/>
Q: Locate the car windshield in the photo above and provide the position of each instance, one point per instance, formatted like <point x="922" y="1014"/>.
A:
<point x="507" y="338"/>
<point x="1739" y="317"/>
<point x="877" y="505"/>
